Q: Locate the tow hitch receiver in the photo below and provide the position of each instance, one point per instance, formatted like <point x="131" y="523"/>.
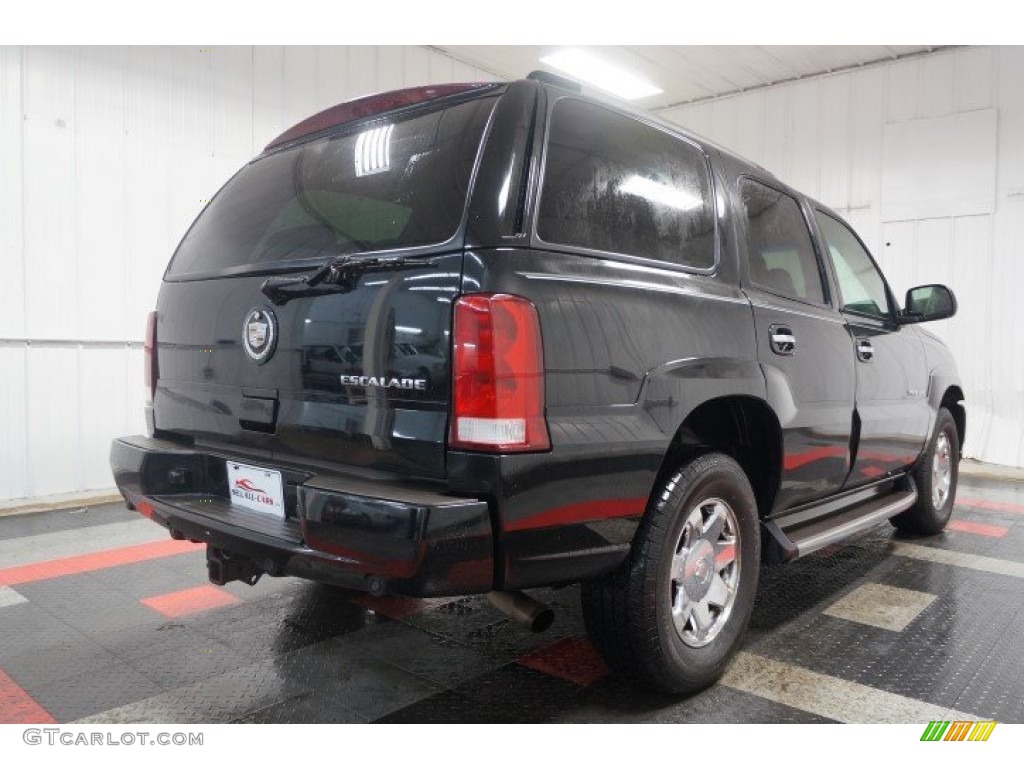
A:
<point x="224" y="567"/>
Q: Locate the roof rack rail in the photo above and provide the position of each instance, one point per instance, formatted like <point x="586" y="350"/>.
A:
<point x="543" y="76"/>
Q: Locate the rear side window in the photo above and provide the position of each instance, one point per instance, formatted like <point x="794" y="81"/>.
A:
<point x="780" y="255"/>
<point x="612" y="183"/>
<point x="388" y="184"/>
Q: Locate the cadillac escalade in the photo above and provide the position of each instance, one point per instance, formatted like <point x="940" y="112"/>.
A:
<point x="478" y="338"/>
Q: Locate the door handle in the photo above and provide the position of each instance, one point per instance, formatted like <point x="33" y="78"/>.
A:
<point x="865" y="351"/>
<point x="783" y="341"/>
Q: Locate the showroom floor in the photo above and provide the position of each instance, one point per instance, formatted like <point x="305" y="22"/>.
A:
<point x="103" y="618"/>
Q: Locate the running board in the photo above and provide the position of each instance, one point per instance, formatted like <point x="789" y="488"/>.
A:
<point x="801" y="536"/>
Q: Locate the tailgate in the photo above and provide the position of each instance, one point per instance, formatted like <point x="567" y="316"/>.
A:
<point x="358" y="378"/>
<point x="355" y="374"/>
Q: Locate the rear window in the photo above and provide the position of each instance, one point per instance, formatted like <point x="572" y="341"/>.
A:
<point x="612" y="183"/>
<point x="389" y="184"/>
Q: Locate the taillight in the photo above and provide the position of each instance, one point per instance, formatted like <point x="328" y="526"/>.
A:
<point x="498" y="375"/>
<point x="149" y="356"/>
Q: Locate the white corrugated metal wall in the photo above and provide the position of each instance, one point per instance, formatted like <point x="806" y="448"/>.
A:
<point x="826" y="136"/>
<point x="106" y="156"/>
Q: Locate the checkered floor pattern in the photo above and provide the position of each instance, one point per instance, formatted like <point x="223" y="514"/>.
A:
<point x="104" y="619"/>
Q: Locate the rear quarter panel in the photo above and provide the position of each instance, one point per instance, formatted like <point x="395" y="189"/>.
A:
<point x="629" y="351"/>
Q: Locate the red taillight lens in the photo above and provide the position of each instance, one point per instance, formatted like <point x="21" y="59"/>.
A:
<point x="149" y="356"/>
<point x="498" y="374"/>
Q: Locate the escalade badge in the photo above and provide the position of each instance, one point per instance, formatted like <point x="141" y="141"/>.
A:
<point x="385" y="382"/>
<point x="259" y="334"/>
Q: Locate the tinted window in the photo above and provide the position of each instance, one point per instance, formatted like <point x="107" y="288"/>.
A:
<point x="861" y="285"/>
<point x="780" y="255"/>
<point x="614" y="184"/>
<point x="390" y="184"/>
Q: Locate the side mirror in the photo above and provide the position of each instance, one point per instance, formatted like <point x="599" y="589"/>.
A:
<point x="928" y="302"/>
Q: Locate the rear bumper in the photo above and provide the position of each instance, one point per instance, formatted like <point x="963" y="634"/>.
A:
<point x="360" y="534"/>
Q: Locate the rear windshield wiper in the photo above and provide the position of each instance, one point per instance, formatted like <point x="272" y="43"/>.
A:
<point x="339" y="275"/>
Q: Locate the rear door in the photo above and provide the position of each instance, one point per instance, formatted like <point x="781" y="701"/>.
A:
<point x="803" y="346"/>
<point x="357" y="374"/>
<point x="892" y="378"/>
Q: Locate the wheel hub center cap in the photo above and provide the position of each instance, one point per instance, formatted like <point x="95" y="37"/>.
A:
<point x="700" y="567"/>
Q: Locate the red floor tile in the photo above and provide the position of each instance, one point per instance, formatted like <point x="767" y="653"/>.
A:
<point x="982" y="529"/>
<point x="17" y="707"/>
<point x="187" y="601"/>
<point x="571" y="658"/>
<point x="998" y="506"/>
<point x="94" y="561"/>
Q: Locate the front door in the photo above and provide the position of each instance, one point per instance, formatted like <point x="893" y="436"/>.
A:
<point x="892" y="378"/>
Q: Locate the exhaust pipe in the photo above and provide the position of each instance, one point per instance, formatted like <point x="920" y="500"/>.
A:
<point x="522" y="608"/>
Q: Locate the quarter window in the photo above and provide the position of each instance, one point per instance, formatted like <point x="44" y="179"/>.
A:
<point x="861" y="285"/>
<point x="780" y="254"/>
<point x="612" y="183"/>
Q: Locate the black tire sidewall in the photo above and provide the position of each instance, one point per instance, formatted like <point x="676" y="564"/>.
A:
<point x="939" y="517"/>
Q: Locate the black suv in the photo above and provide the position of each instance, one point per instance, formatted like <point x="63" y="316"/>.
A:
<point x="478" y="338"/>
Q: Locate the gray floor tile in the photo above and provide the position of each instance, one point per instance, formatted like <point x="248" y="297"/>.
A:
<point x="369" y="687"/>
<point x="94" y="691"/>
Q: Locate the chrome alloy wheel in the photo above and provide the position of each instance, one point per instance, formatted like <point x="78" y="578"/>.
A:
<point x="942" y="470"/>
<point x="705" y="572"/>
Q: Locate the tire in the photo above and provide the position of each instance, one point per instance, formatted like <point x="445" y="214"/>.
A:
<point x="935" y="476"/>
<point x="629" y="614"/>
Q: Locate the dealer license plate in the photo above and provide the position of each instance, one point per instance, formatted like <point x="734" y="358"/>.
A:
<point x="256" y="488"/>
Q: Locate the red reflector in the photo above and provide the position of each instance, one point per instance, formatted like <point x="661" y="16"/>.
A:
<point x="498" y="373"/>
<point x="149" y="356"/>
